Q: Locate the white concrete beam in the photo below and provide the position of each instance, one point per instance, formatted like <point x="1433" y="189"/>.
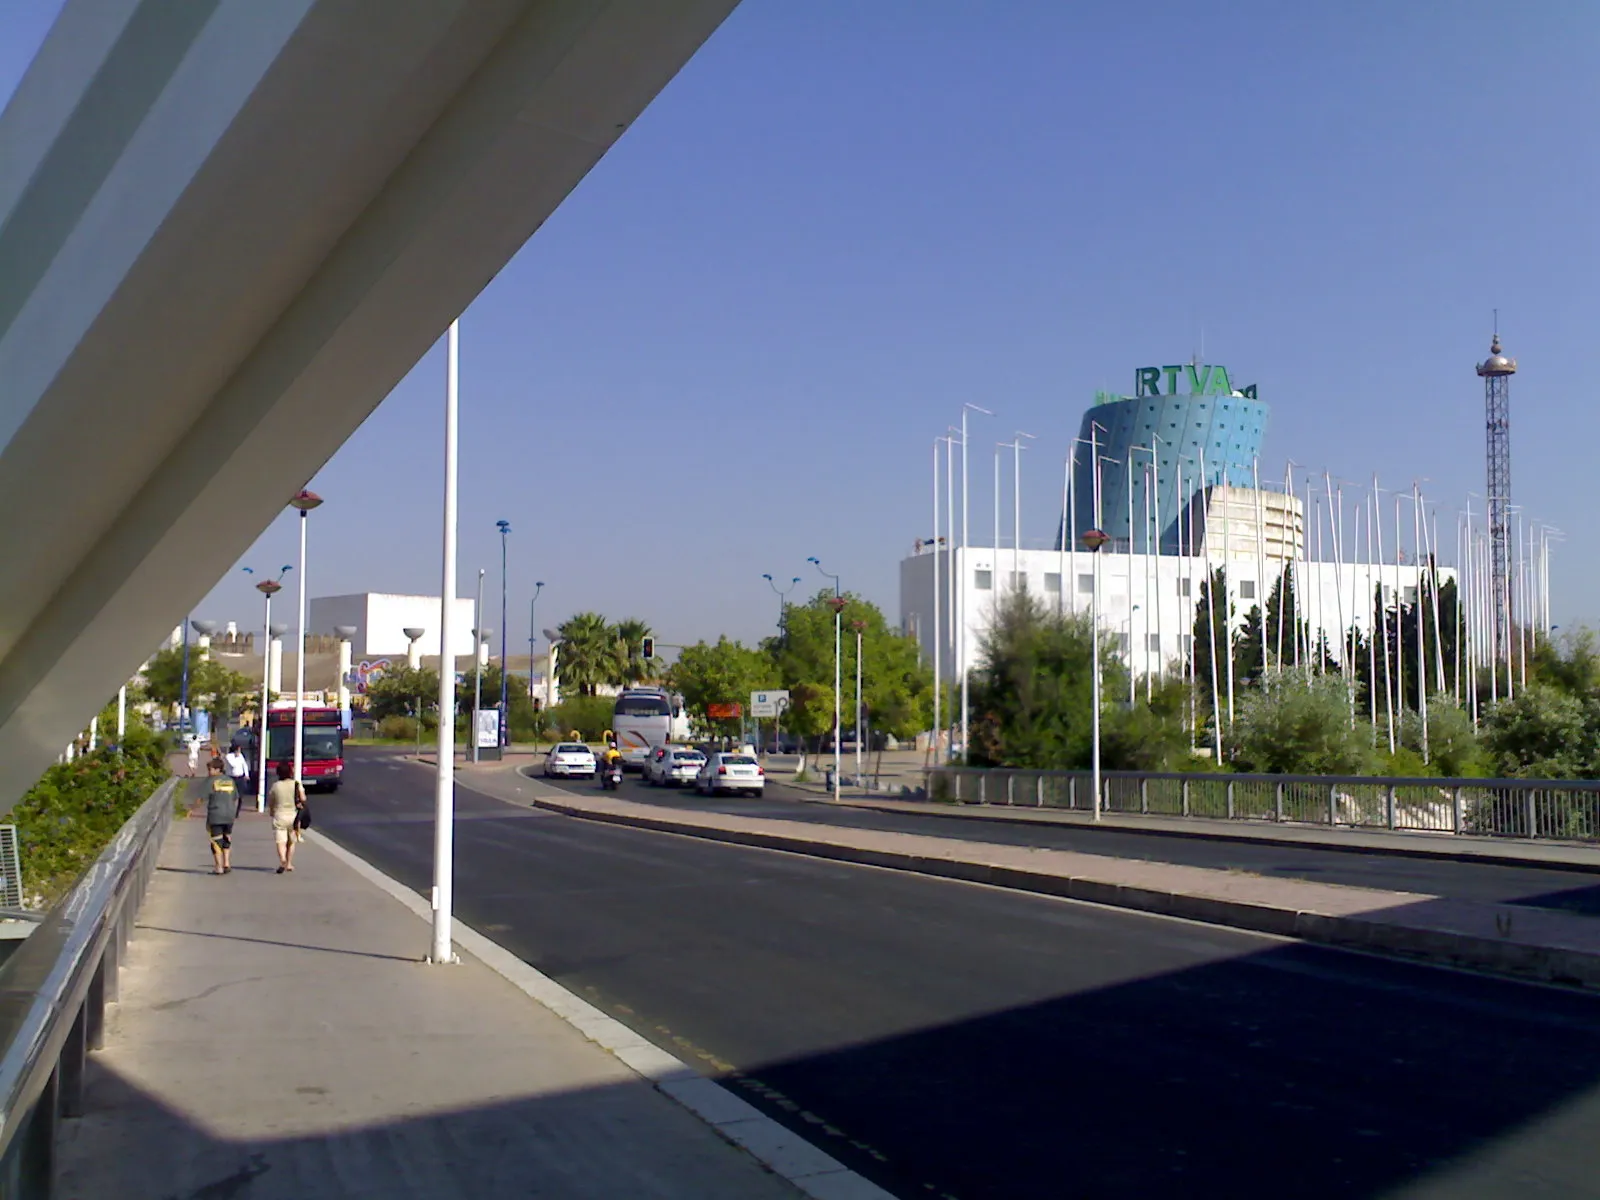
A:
<point x="227" y="229"/>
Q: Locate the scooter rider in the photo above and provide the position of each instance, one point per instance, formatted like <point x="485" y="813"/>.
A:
<point x="610" y="761"/>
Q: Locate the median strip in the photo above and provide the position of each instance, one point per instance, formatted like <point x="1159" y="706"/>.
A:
<point x="1501" y="939"/>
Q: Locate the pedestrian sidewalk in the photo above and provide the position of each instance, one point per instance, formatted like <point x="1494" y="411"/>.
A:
<point x="279" y="1037"/>
<point x="1506" y="939"/>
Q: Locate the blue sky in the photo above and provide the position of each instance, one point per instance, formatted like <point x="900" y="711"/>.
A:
<point x="733" y="345"/>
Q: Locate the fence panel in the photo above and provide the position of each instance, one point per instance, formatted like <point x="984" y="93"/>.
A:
<point x="1566" y="810"/>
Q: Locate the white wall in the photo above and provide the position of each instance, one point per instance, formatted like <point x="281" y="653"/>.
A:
<point x="380" y="618"/>
<point x="1142" y="595"/>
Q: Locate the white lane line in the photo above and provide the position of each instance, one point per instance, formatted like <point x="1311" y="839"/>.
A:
<point x="778" y="1148"/>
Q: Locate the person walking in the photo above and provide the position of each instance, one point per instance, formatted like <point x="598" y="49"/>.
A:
<point x="193" y="745"/>
<point x="222" y="810"/>
<point x="237" y="767"/>
<point x="284" y="801"/>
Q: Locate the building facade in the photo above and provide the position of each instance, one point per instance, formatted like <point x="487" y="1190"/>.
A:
<point x="1184" y="429"/>
<point x="1147" y="602"/>
<point x="380" y="619"/>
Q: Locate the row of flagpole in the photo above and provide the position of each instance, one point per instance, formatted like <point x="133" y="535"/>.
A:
<point x="1355" y="608"/>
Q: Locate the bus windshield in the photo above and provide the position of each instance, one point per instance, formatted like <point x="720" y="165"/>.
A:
<point x="322" y="742"/>
<point x="643" y="706"/>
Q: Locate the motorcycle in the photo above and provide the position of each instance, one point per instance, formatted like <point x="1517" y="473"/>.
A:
<point x="611" y="777"/>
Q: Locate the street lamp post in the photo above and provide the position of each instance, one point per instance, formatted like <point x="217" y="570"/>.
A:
<point x="268" y="588"/>
<point x="858" y="626"/>
<point x="838" y="683"/>
<point x="304" y="501"/>
<point x="783" y="595"/>
<point x="1093" y="540"/>
<point x="533" y="632"/>
<point x="479" y="633"/>
<point x="505" y="724"/>
<point x="445" y="766"/>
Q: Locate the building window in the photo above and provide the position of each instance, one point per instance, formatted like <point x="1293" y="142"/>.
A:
<point x="1153" y="642"/>
<point x="1052" y="582"/>
<point x="1122" y="643"/>
<point x="1183" y="587"/>
<point x="983" y="580"/>
<point x="1411" y="595"/>
<point x="1247" y="589"/>
<point x="1185" y="642"/>
<point x="1085" y="584"/>
<point x="1019" y="580"/>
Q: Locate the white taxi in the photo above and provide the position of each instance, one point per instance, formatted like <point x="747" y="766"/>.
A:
<point x="569" y="760"/>
<point x="724" y="772"/>
<point x="672" y="766"/>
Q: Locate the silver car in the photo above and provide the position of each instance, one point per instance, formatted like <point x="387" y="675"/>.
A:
<point x="672" y="766"/>
<point x="723" y="772"/>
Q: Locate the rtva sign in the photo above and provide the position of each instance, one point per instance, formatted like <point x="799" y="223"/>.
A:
<point x="1202" y="381"/>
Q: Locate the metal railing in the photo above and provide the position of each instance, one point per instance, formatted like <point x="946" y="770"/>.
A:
<point x="53" y="996"/>
<point x="1563" y="810"/>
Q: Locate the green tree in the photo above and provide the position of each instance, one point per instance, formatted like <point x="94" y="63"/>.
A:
<point x="897" y="687"/>
<point x="1454" y="750"/>
<point x="630" y="635"/>
<point x="1032" y="696"/>
<point x="589" y="655"/>
<point x="1300" y="727"/>
<point x="1542" y="733"/>
<point x="397" y="693"/>
<point x="724" y="673"/>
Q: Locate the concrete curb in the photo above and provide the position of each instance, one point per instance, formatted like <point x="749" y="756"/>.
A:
<point x="783" y="1152"/>
<point x="999" y="815"/>
<point x="1567" y="966"/>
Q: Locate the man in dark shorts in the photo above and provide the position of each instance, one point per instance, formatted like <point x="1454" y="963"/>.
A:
<point x="222" y="810"/>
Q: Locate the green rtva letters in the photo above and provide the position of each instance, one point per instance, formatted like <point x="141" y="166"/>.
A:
<point x="1202" y="381"/>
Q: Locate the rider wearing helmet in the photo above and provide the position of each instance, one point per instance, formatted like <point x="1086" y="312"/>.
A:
<point x="611" y="756"/>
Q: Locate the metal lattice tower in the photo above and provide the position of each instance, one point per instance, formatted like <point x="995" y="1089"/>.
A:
<point x="1496" y="372"/>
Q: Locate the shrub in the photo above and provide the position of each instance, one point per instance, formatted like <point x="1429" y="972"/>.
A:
<point x="66" y="819"/>
<point x="589" y="715"/>
<point x="1301" y="726"/>
<point x="397" y="729"/>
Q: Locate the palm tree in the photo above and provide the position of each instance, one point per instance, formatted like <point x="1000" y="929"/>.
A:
<point x="630" y="635"/>
<point x="589" y="652"/>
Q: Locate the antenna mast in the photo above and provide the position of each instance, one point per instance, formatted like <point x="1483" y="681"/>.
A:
<point x="1496" y="372"/>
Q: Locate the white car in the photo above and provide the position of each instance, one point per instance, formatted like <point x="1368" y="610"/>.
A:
<point x="731" y="773"/>
<point x="670" y="766"/>
<point x="569" y="760"/>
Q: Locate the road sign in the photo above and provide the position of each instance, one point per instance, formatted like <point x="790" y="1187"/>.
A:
<point x="768" y="704"/>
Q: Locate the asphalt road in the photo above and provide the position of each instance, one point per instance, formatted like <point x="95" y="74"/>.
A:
<point x="961" y="1041"/>
<point x="1572" y="891"/>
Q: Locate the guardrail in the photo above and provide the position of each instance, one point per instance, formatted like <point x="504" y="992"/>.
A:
<point x="53" y="996"/>
<point x="1547" y="809"/>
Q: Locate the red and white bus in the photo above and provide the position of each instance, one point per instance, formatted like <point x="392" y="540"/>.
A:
<point x="322" y="750"/>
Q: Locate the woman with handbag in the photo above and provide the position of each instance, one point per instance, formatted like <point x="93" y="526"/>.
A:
<point x="284" y="801"/>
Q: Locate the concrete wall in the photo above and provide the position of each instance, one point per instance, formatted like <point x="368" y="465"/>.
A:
<point x="381" y="617"/>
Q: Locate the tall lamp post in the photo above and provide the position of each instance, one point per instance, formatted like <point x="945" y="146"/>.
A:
<point x="268" y="588"/>
<point x="1093" y="540"/>
<point x="206" y="630"/>
<point x="304" y="501"/>
<point x="505" y="625"/>
<point x="533" y="632"/>
<point x="783" y="596"/>
<point x="479" y="634"/>
<point x="858" y="626"/>
<point x="838" y="684"/>
<point x="444" y="803"/>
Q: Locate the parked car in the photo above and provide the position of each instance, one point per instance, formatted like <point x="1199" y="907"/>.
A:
<point x="670" y="766"/>
<point x="569" y="760"/>
<point x="723" y="772"/>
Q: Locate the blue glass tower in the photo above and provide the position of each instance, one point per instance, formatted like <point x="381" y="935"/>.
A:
<point x="1191" y="422"/>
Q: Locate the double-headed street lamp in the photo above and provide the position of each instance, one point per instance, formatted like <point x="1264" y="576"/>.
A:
<point x="783" y="596"/>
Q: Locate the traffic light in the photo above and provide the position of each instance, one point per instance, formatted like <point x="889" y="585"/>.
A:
<point x="649" y="647"/>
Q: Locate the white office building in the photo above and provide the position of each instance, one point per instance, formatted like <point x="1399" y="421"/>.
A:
<point x="1148" y="601"/>
<point x="380" y="619"/>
